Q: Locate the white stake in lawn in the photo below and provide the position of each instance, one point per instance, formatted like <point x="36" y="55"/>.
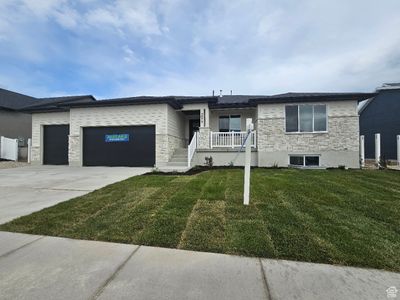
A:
<point x="247" y="161"/>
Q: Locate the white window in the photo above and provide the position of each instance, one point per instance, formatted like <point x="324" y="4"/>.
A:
<point x="229" y="123"/>
<point x="304" y="160"/>
<point x="306" y="118"/>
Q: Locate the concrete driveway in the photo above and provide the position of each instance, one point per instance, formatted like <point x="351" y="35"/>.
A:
<point x="28" y="189"/>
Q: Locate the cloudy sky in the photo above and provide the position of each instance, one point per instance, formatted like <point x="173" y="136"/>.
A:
<point x="169" y="47"/>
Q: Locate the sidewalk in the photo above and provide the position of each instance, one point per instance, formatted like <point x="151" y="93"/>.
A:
<point x="37" y="267"/>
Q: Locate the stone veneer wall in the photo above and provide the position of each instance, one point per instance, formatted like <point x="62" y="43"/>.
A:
<point x="38" y="120"/>
<point x="340" y="145"/>
<point x="204" y="138"/>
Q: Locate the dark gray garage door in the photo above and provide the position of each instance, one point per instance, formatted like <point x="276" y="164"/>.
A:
<point x="131" y="146"/>
<point x="55" y="144"/>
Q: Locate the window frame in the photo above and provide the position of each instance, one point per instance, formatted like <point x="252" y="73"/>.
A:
<point x="229" y="122"/>
<point x="313" y="119"/>
<point x="304" y="160"/>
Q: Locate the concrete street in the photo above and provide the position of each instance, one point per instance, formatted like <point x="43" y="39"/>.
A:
<point x="37" y="267"/>
<point x="28" y="189"/>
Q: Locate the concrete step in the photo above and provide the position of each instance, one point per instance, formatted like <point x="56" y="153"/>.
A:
<point x="180" y="155"/>
<point x="176" y="164"/>
<point x="181" y="151"/>
<point x="174" y="160"/>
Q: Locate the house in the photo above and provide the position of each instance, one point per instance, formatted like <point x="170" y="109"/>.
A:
<point x="380" y="114"/>
<point x="15" y="122"/>
<point x="299" y="129"/>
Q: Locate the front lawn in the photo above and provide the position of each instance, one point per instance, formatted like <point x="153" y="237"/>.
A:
<point x="328" y="216"/>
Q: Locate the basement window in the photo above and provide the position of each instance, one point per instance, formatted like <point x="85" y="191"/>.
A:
<point x="304" y="160"/>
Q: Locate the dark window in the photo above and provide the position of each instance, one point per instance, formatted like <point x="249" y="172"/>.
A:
<point x="297" y="160"/>
<point x="304" y="160"/>
<point x="229" y="123"/>
<point x="234" y="123"/>
<point x="224" y="123"/>
<point x="306" y="118"/>
<point x="292" y="122"/>
<point x="312" y="160"/>
<point x="319" y="117"/>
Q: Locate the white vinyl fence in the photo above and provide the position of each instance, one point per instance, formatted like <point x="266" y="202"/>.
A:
<point x="8" y="148"/>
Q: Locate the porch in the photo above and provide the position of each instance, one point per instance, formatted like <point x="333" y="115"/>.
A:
<point x="214" y="132"/>
<point x="217" y="128"/>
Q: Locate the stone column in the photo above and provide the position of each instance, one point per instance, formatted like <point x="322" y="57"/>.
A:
<point x="204" y="130"/>
<point x="204" y="138"/>
<point x="74" y="150"/>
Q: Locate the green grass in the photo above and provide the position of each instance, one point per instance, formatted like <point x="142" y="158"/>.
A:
<point x="329" y="216"/>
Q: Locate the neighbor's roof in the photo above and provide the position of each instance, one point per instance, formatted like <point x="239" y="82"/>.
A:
<point x="385" y="88"/>
<point x="13" y="101"/>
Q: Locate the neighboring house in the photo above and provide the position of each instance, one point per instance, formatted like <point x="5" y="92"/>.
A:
<point x="300" y="129"/>
<point x="381" y="114"/>
<point x="14" y="124"/>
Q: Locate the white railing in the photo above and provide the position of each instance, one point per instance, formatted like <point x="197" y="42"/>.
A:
<point x="192" y="147"/>
<point x="230" y="139"/>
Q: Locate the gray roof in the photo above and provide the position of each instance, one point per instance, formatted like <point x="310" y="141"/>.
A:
<point x="12" y="100"/>
<point x="252" y="100"/>
<point x="53" y="101"/>
<point x="16" y="101"/>
<point x="226" y="101"/>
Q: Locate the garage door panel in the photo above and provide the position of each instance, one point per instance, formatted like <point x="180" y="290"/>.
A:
<point x="132" y="146"/>
<point x="55" y="144"/>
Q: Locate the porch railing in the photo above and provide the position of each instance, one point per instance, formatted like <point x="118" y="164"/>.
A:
<point x="192" y="147"/>
<point x="230" y="139"/>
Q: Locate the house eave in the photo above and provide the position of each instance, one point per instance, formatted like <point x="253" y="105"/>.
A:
<point x="294" y="99"/>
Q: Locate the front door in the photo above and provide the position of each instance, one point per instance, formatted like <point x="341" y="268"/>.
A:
<point x="193" y="127"/>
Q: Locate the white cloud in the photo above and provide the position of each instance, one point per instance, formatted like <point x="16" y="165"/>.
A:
<point x="130" y="56"/>
<point x="192" y="47"/>
<point x="133" y="16"/>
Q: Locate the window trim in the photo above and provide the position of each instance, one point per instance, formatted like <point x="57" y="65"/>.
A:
<point x="304" y="160"/>
<point x="298" y="119"/>
<point x="229" y="117"/>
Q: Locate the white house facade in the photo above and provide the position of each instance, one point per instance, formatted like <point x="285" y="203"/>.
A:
<point x="293" y="129"/>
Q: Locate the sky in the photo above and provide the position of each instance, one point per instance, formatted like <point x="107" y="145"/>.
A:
<point x="127" y="48"/>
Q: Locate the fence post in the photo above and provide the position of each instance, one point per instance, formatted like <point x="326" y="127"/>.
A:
<point x="362" y="151"/>
<point x="398" y="150"/>
<point x="29" y="151"/>
<point x="377" y="147"/>
<point x="16" y="150"/>
<point x="232" y="139"/>
<point x="1" y="146"/>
